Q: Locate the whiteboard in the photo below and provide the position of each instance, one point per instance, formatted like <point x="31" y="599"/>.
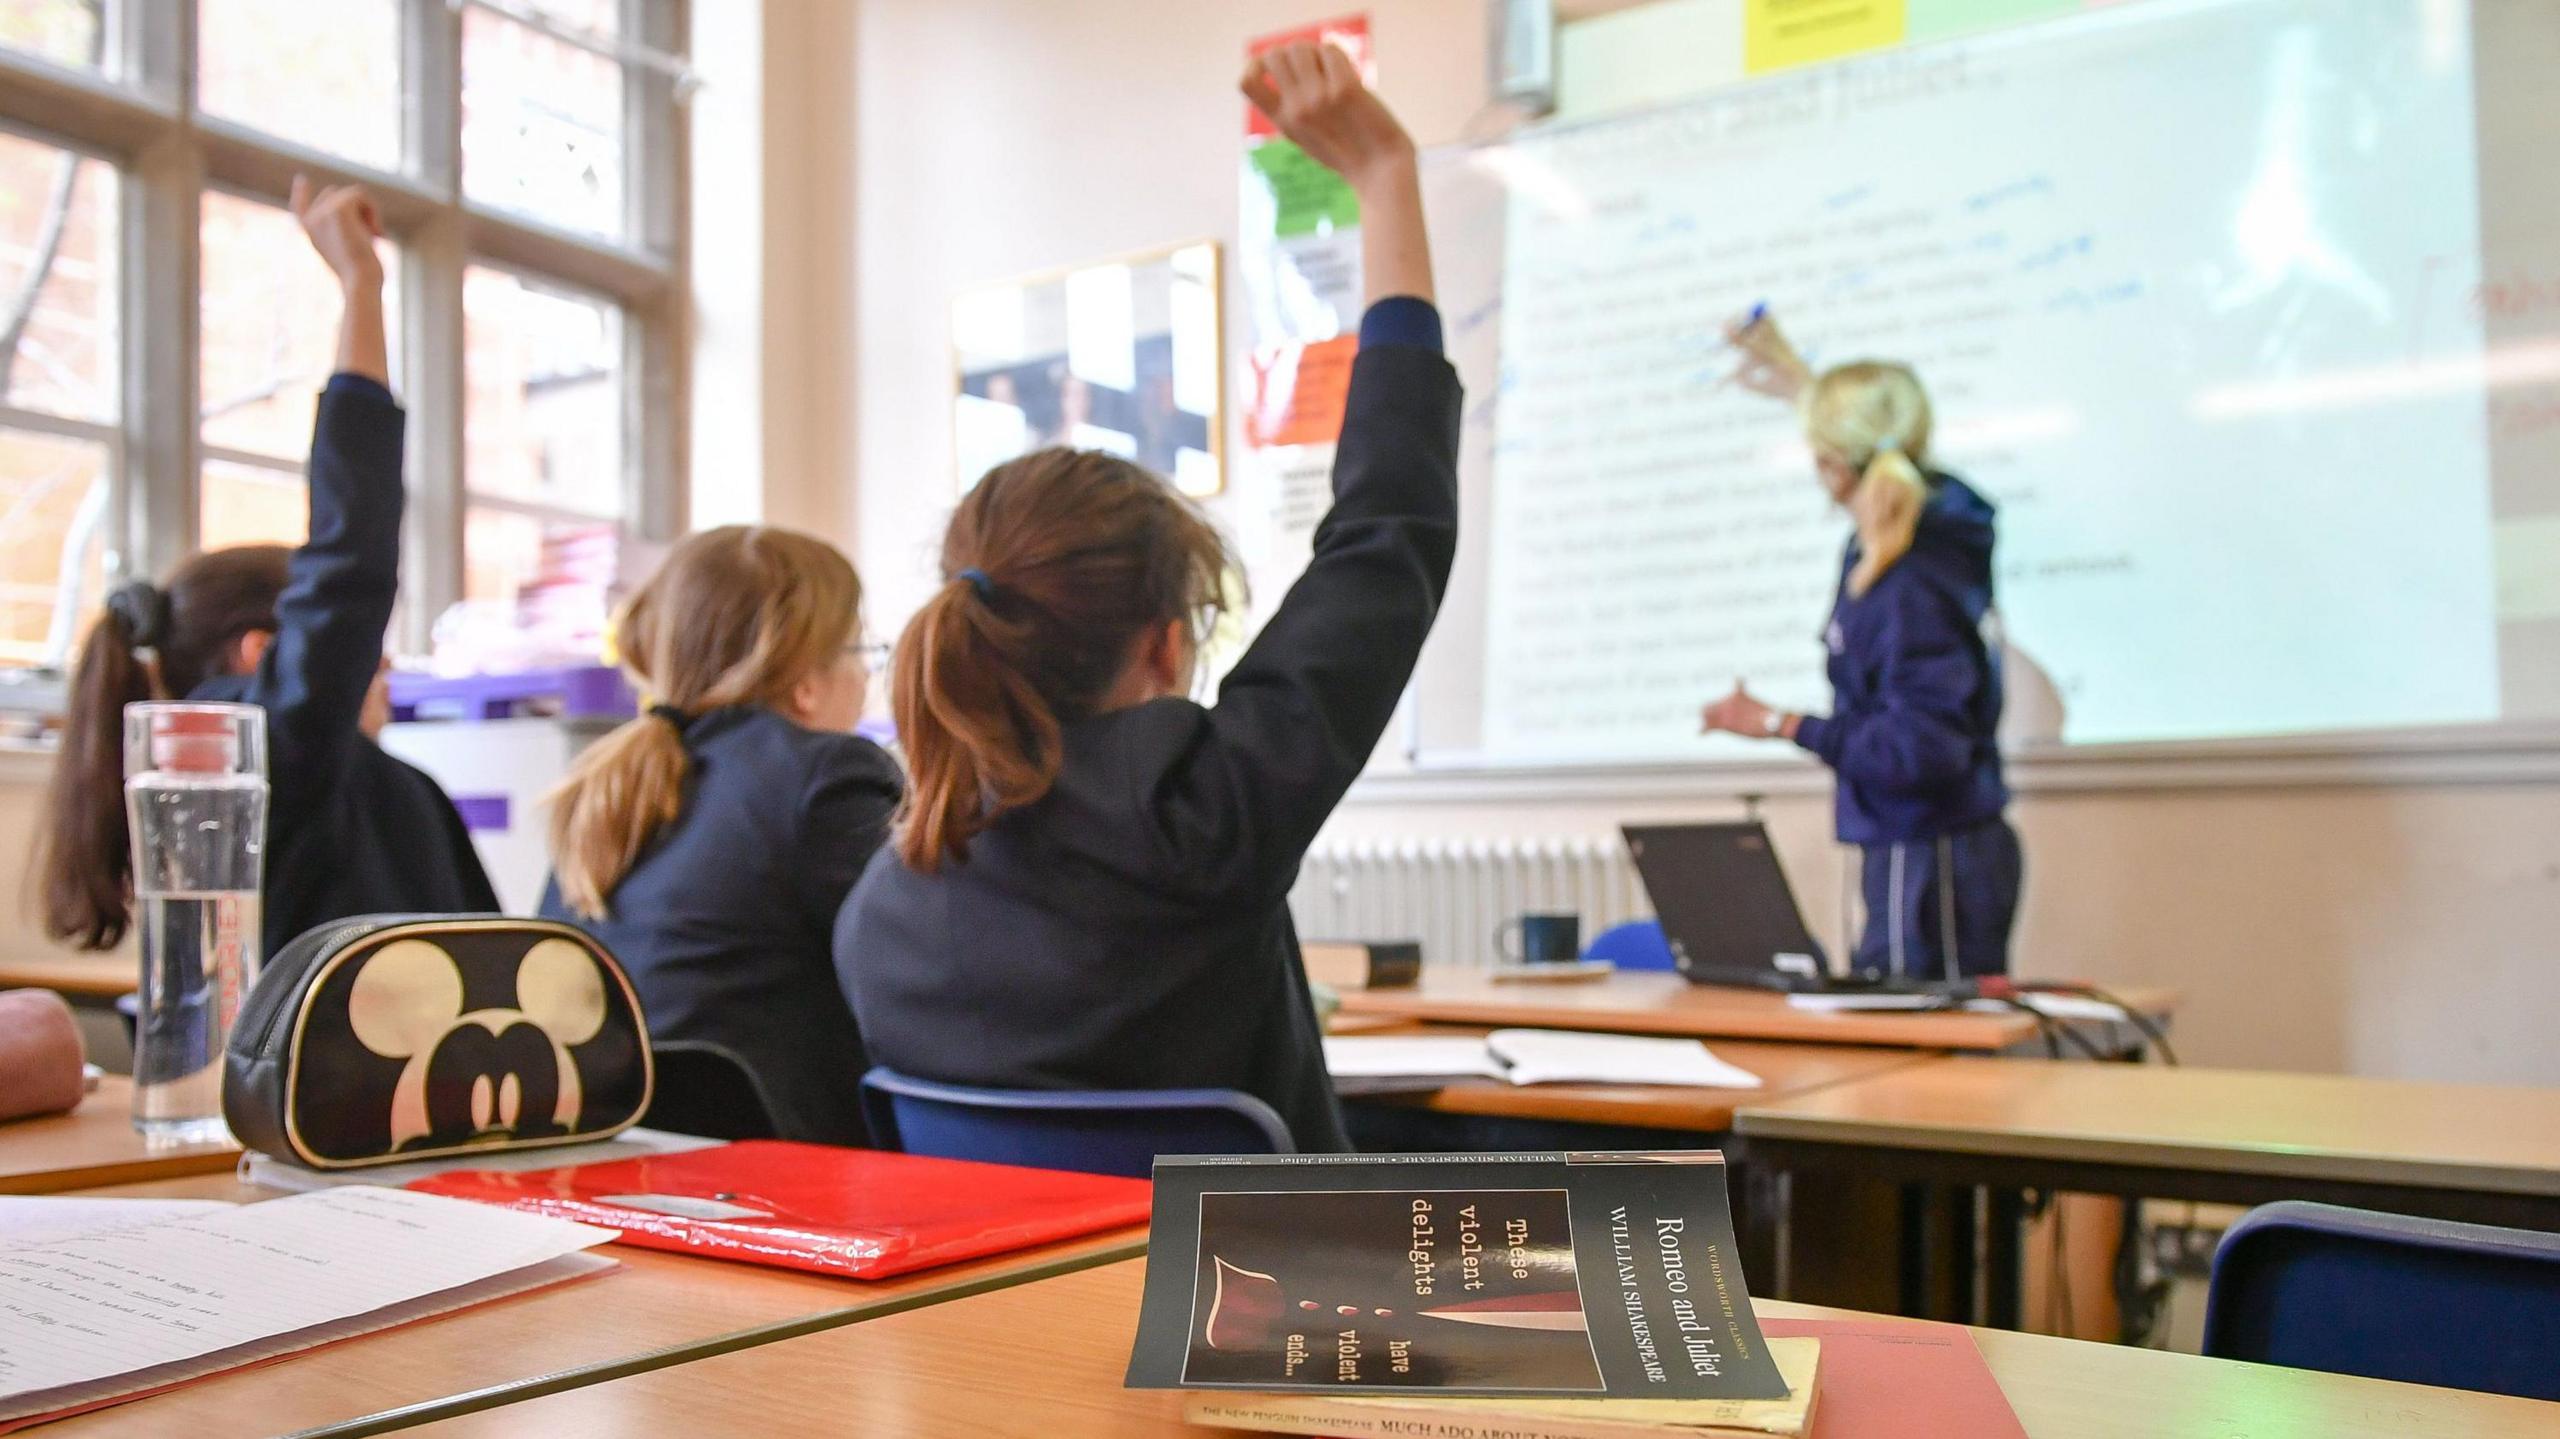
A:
<point x="2245" y="312"/>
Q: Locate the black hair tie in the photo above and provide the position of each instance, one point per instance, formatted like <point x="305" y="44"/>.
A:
<point x="676" y="719"/>
<point x="142" y="608"/>
<point x="978" y="581"/>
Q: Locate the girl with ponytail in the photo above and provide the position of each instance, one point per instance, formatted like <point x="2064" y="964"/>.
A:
<point x="1088" y="888"/>
<point x="710" y="842"/>
<point x="1913" y="733"/>
<point x="350" y="830"/>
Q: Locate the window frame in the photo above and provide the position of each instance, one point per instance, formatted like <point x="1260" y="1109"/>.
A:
<point x="137" y="112"/>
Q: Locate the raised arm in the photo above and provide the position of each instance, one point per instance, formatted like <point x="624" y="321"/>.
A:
<point x="341" y="584"/>
<point x="1314" y="94"/>
<point x="343" y="227"/>
<point x="1303" y="709"/>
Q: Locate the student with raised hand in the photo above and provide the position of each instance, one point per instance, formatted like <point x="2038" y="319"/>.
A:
<point x="298" y="632"/>
<point x="1088" y="886"/>
<point x="1914" y="730"/>
<point x="710" y="842"/>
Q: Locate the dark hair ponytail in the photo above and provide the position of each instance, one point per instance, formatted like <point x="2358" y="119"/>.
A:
<point x="1053" y="567"/>
<point x="86" y="866"/>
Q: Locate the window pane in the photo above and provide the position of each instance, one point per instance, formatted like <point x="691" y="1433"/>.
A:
<point x="557" y="577"/>
<point x="327" y="76"/>
<point x="270" y="312"/>
<point x="251" y="505"/>
<point x="500" y="551"/>
<point x="66" y="32"/>
<point x="541" y="125"/>
<point x="57" y="281"/>
<point x="600" y="18"/>
<point x="543" y="411"/>
<point x="53" y="503"/>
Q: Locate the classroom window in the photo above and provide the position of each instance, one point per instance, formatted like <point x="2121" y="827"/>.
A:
<point x="66" y="32"/>
<point x="544" y="479"/>
<point x="165" y="331"/>
<point x="542" y="116"/>
<point x="326" y="76"/>
<point x="265" y="346"/>
<point x="58" y="391"/>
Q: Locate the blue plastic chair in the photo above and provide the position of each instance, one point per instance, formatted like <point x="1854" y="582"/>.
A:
<point x="1636" y="944"/>
<point x="2422" y="1301"/>
<point x="1096" y="1131"/>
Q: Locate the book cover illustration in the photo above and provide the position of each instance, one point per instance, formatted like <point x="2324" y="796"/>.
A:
<point x="1584" y="1275"/>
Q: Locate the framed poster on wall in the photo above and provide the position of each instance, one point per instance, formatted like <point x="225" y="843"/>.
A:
<point x="1125" y="355"/>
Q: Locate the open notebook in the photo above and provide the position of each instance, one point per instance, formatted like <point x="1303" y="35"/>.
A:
<point x="146" y="1302"/>
<point x="1373" y="1064"/>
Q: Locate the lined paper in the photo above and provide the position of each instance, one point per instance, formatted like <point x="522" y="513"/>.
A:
<point x="93" y="1307"/>
<point x="45" y="1218"/>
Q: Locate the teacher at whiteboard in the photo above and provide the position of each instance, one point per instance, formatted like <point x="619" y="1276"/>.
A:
<point x="1915" y="681"/>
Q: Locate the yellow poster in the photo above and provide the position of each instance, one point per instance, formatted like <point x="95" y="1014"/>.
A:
<point x="1777" y="34"/>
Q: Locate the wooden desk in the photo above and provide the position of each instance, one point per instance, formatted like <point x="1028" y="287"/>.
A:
<point x="1043" y="1361"/>
<point x="1785" y="1071"/>
<point x="2247" y="1135"/>
<point x="95" y="1144"/>
<point x="2488" y="1154"/>
<point x="95" y="978"/>
<point x="655" y="1309"/>
<point x="1655" y="1003"/>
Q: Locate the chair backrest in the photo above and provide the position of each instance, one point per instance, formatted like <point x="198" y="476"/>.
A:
<point x="705" y="1089"/>
<point x="1096" y="1131"/>
<point x="2423" y="1301"/>
<point x="1636" y="944"/>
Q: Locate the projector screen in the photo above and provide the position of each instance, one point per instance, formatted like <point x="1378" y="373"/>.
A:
<point x="2245" y="313"/>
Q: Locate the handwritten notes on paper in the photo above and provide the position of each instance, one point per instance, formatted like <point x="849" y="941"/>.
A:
<point x="88" y="1308"/>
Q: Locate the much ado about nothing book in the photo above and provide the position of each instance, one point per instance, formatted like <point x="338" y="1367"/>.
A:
<point x="1518" y="1275"/>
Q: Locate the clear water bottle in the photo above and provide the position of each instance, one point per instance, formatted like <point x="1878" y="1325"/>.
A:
<point x="195" y="795"/>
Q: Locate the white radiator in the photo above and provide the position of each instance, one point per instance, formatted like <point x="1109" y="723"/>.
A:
<point x="1453" y="894"/>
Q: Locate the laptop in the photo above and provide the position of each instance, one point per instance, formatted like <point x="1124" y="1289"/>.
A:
<point x="1729" y="914"/>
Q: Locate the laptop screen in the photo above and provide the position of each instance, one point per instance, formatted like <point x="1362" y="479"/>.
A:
<point x="1724" y="902"/>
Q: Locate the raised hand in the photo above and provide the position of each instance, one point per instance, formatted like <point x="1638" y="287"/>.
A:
<point x="342" y="226"/>
<point x="1770" y="365"/>
<point x="1314" y="94"/>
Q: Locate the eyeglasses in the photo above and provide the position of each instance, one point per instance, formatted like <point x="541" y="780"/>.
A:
<point x="874" y="654"/>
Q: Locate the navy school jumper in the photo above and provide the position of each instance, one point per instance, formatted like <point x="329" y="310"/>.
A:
<point x="350" y="830"/>
<point x="1912" y="737"/>
<point x="725" y="921"/>
<point x="1130" y="930"/>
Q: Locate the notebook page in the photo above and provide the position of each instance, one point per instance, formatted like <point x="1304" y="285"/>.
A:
<point x="61" y="1403"/>
<point x="1557" y="1056"/>
<point x="93" y="1306"/>
<point x="43" y="1218"/>
<point x="1391" y="1056"/>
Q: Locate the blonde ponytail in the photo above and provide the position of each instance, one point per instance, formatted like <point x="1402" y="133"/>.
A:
<point x="1886" y="509"/>
<point x="623" y="789"/>
<point x="736" y="616"/>
<point x="1873" y="416"/>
